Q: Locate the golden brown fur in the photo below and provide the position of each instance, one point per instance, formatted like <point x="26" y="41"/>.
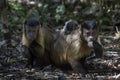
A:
<point x="73" y="44"/>
<point x="59" y="47"/>
<point x="70" y="49"/>
<point x="43" y="39"/>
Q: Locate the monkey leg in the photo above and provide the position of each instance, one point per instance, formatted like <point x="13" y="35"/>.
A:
<point x="77" y="66"/>
<point x="30" y="61"/>
<point x="27" y="54"/>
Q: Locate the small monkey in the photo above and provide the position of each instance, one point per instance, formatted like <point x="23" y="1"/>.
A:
<point x="92" y="40"/>
<point x="73" y="43"/>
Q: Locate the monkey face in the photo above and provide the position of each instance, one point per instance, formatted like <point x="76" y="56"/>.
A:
<point x="89" y="32"/>
<point x="70" y="26"/>
<point x="31" y="33"/>
<point x="31" y="29"/>
<point x="89" y="36"/>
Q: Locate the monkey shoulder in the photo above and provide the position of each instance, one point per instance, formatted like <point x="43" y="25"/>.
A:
<point x="84" y="50"/>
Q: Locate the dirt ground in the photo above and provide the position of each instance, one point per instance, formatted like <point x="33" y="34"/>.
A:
<point x="12" y="67"/>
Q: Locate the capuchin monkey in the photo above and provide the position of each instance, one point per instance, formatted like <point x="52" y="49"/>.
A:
<point x="92" y="29"/>
<point x="73" y="43"/>
<point x="30" y="38"/>
<point x="34" y="42"/>
<point x="65" y="49"/>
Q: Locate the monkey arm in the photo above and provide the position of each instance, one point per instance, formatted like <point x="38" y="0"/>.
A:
<point x="25" y="51"/>
<point x="98" y="49"/>
<point x="27" y="55"/>
<point x="36" y="49"/>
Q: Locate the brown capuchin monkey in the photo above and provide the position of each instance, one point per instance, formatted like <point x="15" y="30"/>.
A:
<point x="97" y="48"/>
<point x="36" y="42"/>
<point x="73" y="43"/>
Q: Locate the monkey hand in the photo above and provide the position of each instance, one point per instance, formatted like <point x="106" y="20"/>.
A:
<point x="25" y="51"/>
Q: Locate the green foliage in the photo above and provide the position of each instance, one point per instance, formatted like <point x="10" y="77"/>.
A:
<point x="53" y="14"/>
<point x="60" y="10"/>
<point x="16" y="6"/>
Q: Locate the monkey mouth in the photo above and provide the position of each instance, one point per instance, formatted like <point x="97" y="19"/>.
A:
<point x="90" y="44"/>
<point x="31" y="40"/>
<point x="67" y="32"/>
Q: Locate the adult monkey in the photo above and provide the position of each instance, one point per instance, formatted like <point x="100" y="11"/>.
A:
<point x="74" y="43"/>
<point x="36" y="42"/>
<point x="30" y="37"/>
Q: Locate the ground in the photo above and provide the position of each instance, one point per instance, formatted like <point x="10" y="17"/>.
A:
<point x="12" y="66"/>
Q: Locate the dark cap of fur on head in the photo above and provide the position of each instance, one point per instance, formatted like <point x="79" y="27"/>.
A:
<point x="71" y="24"/>
<point x="89" y="24"/>
<point x="31" y="22"/>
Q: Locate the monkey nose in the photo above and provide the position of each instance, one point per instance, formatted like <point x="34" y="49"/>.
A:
<point x="91" y="38"/>
<point x="31" y="40"/>
<point x="67" y="32"/>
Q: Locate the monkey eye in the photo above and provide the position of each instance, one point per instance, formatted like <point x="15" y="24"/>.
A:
<point x="88" y="33"/>
<point x="94" y="31"/>
<point x="91" y="33"/>
<point x="34" y="31"/>
<point x="29" y="30"/>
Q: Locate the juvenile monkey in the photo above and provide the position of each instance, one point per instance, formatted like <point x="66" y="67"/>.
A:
<point x="97" y="48"/>
<point x="74" y="43"/>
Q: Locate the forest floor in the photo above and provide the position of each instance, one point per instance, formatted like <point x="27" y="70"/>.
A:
<point x="12" y="67"/>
